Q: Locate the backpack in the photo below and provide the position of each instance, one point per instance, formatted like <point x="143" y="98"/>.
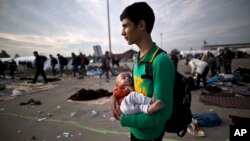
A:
<point x="78" y="60"/>
<point x="86" y="61"/>
<point x="181" y="115"/>
<point x="43" y="58"/>
<point x="53" y="61"/>
<point x="64" y="61"/>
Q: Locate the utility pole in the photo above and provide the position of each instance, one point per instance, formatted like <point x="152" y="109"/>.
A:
<point x="110" y="51"/>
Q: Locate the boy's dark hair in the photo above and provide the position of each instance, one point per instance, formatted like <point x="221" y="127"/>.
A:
<point x="139" y="11"/>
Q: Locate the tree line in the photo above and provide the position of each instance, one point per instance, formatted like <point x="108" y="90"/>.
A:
<point x="4" y="54"/>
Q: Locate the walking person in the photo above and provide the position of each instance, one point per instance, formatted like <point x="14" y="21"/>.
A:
<point x="53" y="64"/>
<point x="75" y="62"/>
<point x="83" y="61"/>
<point x="137" y="23"/>
<point x="2" y="68"/>
<point x="39" y="63"/>
<point x="106" y="66"/>
<point x="62" y="63"/>
<point x="12" y="67"/>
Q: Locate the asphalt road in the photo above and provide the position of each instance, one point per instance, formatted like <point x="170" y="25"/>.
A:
<point x="70" y="121"/>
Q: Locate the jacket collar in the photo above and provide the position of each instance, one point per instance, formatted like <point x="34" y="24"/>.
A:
<point x="148" y="55"/>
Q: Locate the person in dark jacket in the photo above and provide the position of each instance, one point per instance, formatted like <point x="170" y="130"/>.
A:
<point x="12" y="67"/>
<point x="106" y="66"/>
<point x="75" y="62"/>
<point x="62" y="62"/>
<point x="83" y="61"/>
<point x="2" y="68"/>
<point x="174" y="57"/>
<point x="53" y="64"/>
<point x="39" y="62"/>
<point x="212" y="64"/>
<point x="227" y="60"/>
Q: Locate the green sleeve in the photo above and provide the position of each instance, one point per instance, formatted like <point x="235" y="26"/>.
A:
<point x="142" y="120"/>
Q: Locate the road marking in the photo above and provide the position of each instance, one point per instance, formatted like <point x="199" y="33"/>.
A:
<point x="76" y="124"/>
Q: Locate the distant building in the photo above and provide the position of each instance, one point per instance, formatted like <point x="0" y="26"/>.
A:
<point x="194" y="53"/>
<point x="126" y="55"/>
<point x="232" y="46"/>
<point x="237" y="47"/>
<point x="97" y="51"/>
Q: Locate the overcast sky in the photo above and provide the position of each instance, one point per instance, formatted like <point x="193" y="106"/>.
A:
<point x="65" y="26"/>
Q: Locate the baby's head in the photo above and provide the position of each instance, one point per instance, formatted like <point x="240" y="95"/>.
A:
<point x="123" y="79"/>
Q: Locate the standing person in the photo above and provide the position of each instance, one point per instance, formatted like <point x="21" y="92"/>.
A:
<point x="227" y="60"/>
<point x="39" y="62"/>
<point x="212" y="64"/>
<point x="205" y="56"/>
<point x="106" y="66"/>
<point x="115" y="61"/>
<point x="137" y="22"/>
<point x="219" y="63"/>
<point x="75" y="63"/>
<point x="199" y="68"/>
<point x="174" y="57"/>
<point x="84" y="61"/>
<point x="53" y="64"/>
<point x="2" y="69"/>
<point x="130" y="101"/>
<point x="12" y="67"/>
<point x="62" y="62"/>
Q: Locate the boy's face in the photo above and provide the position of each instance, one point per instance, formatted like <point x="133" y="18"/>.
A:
<point x="124" y="80"/>
<point x="130" y="32"/>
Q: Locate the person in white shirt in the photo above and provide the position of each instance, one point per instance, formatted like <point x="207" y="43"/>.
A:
<point x="200" y="68"/>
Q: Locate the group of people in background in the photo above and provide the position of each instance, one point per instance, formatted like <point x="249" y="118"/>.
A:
<point x="202" y="66"/>
<point x="11" y="66"/>
<point x="78" y="63"/>
<point x="80" y="60"/>
<point x="210" y="64"/>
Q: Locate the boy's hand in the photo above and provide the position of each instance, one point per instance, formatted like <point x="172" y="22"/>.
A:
<point x="115" y="107"/>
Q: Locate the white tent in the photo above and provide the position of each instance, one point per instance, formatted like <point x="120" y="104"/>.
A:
<point x="18" y="59"/>
<point x="47" y="64"/>
<point x="5" y="59"/>
<point x="25" y="58"/>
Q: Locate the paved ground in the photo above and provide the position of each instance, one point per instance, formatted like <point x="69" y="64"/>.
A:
<point x="20" y="123"/>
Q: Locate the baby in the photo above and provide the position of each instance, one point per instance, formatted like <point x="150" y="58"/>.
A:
<point x="130" y="101"/>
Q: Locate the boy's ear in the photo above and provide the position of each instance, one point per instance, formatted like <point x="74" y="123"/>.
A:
<point x="142" y="25"/>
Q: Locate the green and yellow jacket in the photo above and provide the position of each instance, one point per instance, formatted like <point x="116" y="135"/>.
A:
<point x="149" y="126"/>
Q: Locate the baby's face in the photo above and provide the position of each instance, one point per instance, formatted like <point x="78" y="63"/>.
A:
<point x="124" y="80"/>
